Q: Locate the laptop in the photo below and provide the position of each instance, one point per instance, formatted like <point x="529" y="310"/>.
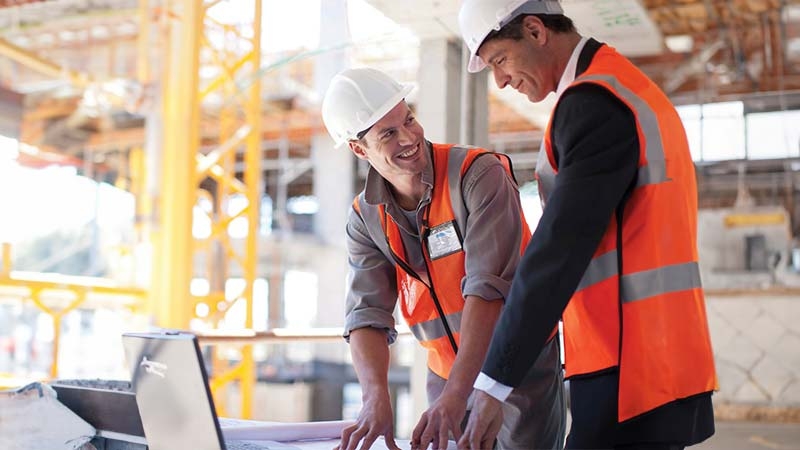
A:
<point x="171" y="385"/>
<point x="177" y="412"/>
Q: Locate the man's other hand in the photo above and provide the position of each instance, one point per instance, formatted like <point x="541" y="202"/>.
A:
<point x="436" y="424"/>
<point x="375" y="419"/>
<point x="484" y="423"/>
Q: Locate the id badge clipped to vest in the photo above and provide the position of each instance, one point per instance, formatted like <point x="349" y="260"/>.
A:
<point x="443" y="240"/>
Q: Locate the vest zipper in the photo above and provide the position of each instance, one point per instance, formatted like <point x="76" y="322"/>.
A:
<point x="440" y="310"/>
<point x="411" y="272"/>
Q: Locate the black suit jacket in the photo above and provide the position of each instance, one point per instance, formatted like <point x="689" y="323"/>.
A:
<point x="596" y="149"/>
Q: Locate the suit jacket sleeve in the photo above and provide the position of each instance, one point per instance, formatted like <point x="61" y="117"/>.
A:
<point x="596" y="150"/>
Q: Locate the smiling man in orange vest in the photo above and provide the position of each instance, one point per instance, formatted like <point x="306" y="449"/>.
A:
<point x="437" y="231"/>
<point x="615" y="252"/>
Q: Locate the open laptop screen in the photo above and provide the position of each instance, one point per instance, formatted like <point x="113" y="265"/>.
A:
<point x="171" y="386"/>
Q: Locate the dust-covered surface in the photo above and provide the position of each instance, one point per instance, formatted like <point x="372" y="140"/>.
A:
<point x="31" y="418"/>
<point x="111" y="385"/>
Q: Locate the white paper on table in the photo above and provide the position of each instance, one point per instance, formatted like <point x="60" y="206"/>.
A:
<point x="238" y="429"/>
<point x="379" y="444"/>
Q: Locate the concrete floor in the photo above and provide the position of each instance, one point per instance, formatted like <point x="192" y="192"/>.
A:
<point x="753" y="436"/>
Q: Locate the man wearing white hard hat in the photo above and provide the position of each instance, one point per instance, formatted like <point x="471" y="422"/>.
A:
<point x="437" y="232"/>
<point x="615" y="253"/>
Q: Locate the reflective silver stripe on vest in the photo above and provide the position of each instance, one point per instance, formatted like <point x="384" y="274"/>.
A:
<point x="370" y="214"/>
<point x="434" y="328"/>
<point x="455" y="159"/>
<point x="655" y="171"/>
<point x="600" y="268"/>
<point x="645" y="284"/>
<point x="545" y="175"/>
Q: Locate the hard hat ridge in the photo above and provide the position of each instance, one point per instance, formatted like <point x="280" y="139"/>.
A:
<point x="477" y="18"/>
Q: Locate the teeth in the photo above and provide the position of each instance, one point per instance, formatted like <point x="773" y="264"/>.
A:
<point x="409" y="153"/>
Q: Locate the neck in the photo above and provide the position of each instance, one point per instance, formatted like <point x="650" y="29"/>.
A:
<point x="408" y="191"/>
<point x="564" y="45"/>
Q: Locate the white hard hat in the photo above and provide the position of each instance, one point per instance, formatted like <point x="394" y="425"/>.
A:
<point x="356" y="99"/>
<point x="477" y="18"/>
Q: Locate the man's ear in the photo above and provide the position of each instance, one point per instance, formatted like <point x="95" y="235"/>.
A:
<point x="533" y="27"/>
<point x="357" y="150"/>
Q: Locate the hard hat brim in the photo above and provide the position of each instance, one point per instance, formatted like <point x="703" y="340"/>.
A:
<point x="476" y="64"/>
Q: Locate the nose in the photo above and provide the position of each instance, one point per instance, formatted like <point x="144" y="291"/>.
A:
<point x="501" y="78"/>
<point x="405" y="135"/>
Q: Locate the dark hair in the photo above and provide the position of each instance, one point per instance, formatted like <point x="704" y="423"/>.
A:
<point x="513" y="30"/>
<point x="360" y="135"/>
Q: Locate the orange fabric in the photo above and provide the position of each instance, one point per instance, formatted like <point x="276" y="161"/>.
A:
<point x="445" y="273"/>
<point x="665" y="344"/>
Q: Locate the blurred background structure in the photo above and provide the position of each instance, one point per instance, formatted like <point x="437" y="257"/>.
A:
<point x="163" y="164"/>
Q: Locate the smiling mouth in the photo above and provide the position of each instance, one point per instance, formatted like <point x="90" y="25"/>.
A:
<point x="409" y="153"/>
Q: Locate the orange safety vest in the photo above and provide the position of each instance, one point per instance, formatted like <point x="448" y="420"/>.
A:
<point x="433" y="312"/>
<point x="650" y="322"/>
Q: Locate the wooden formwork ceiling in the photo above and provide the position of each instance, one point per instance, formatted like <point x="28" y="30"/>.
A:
<point x="725" y="48"/>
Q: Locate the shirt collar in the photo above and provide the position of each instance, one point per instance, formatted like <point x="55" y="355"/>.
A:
<point x="572" y="65"/>
<point x="376" y="188"/>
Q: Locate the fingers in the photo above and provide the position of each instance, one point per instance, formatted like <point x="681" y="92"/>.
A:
<point x="416" y="435"/>
<point x="429" y="436"/>
<point x="436" y="434"/>
<point x="444" y="435"/>
<point x="369" y="439"/>
<point x="366" y="436"/>
<point x="347" y="432"/>
<point x="390" y="443"/>
<point x="455" y="428"/>
<point x="473" y="435"/>
<point x="352" y="435"/>
<point x="481" y="432"/>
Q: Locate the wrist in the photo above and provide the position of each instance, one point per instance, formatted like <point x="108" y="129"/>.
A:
<point x="375" y="395"/>
<point x="457" y="389"/>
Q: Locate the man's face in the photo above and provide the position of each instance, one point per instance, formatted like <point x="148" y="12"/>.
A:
<point x="523" y="64"/>
<point x="395" y="145"/>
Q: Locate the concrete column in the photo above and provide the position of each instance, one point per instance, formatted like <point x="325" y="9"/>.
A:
<point x="334" y="174"/>
<point x="333" y="168"/>
<point x="452" y="105"/>
<point x="333" y="177"/>
<point x="439" y="96"/>
<point x="475" y="105"/>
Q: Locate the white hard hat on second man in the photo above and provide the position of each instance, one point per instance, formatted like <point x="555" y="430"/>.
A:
<point x="477" y="18"/>
<point x="356" y="99"/>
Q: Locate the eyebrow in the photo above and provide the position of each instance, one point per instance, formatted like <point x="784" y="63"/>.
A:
<point x="382" y="131"/>
<point x="493" y="58"/>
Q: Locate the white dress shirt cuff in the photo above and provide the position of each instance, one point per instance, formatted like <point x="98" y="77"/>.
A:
<point x="494" y="388"/>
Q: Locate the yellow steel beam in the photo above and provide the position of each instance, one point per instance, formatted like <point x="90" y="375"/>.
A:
<point x="184" y="167"/>
<point x="42" y="65"/>
<point x="754" y="219"/>
<point x="225" y="77"/>
<point x="204" y="163"/>
<point x="173" y="255"/>
<point x="6" y="259"/>
<point x="252" y="177"/>
<point x="72" y="284"/>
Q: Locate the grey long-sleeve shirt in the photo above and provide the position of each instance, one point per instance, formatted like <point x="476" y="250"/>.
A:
<point x="491" y="243"/>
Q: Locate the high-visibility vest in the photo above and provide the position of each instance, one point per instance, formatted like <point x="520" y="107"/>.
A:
<point x="433" y="311"/>
<point x="650" y="322"/>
